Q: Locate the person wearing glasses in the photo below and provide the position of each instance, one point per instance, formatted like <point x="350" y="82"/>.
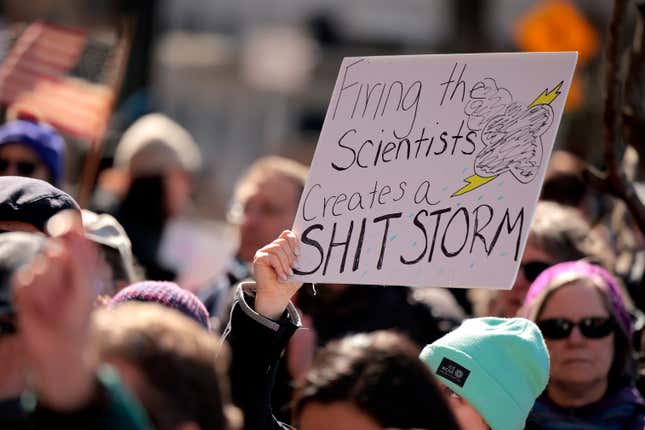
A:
<point x="579" y="308"/>
<point x="31" y="149"/>
<point x="265" y="202"/>
<point x="558" y="233"/>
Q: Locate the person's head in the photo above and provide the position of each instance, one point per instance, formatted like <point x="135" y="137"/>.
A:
<point x="157" y="147"/>
<point x="579" y="308"/>
<point x="16" y="250"/>
<point x="265" y="202"/>
<point x="115" y="250"/>
<point x="564" y="183"/>
<point x="558" y="233"/>
<point x="167" y="294"/>
<point x="27" y="204"/>
<point x="169" y="362"/>
<point x="493" y="370"/>
<point x="370" y="381"/>
<point x="31" y="149"/>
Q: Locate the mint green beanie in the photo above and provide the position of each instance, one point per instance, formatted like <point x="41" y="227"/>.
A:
<point x="499" y="365"/>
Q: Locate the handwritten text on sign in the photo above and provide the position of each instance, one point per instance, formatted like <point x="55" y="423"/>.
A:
<point x="428" y="168"/>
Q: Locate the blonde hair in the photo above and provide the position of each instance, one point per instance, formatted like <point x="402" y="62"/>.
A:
<point x="272" y="166"/>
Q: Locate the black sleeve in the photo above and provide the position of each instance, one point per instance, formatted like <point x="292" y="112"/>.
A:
<point x="257" y="344"/>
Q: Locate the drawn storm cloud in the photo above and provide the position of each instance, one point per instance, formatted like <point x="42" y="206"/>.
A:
<point x="510" y="131"/>
<point x="513" y="142"/>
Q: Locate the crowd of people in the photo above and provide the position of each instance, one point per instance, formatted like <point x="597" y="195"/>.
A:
<point x="95" y="333"/>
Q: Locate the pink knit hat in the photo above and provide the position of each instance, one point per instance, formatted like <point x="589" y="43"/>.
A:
<point x="542" y="285"/>
<point x="167" y="294"/>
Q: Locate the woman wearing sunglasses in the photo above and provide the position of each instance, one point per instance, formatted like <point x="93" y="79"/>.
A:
<point x="579" y="309"/>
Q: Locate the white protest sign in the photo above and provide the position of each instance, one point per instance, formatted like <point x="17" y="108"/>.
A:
<point x="428" y="168"/>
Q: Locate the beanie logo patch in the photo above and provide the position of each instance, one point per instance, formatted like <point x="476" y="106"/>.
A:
<point x="453" y="372"/>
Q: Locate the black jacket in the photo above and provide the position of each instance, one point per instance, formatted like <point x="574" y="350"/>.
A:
<point x="257" y="344"/>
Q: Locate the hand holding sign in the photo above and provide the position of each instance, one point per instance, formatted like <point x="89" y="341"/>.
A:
<point x="385" y="202"/>
<point x="272" y="267"/>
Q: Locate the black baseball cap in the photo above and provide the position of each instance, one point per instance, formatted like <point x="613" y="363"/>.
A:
<point x="32" y="201"/>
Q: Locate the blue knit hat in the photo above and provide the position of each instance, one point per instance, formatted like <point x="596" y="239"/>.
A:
<point x="499" y="365"/>
<point x="43" y="139"/>
<point x="167" y="294"/>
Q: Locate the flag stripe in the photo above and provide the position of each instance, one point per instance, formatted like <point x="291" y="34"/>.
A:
<point x="34" y="76"/>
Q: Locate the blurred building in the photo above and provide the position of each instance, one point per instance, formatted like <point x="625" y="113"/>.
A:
<point x="252" y="77"/>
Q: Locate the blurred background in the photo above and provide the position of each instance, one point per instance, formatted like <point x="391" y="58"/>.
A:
<point x="253" y="77"/>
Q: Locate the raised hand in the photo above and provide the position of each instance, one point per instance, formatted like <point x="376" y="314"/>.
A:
<point x="272" y="267"/>
<point x="54" y="296"/>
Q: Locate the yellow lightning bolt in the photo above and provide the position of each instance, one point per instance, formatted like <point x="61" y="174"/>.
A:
<point x="474" y="181"/>
<point x="547" y="96"/>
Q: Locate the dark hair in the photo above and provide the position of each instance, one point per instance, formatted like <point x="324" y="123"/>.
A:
<point x="565" y="188"/>
<point x="145" y="201"/>
<point x="143" y="214"/>
<point x="380" y="374"/>
<point x="566" y="236"/>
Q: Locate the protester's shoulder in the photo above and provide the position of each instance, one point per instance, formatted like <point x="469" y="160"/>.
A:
<point x="627" y="394"/>
<point x="631" y="395"/>
<point x="123" y="409"/>
<point x="637" y="421"/>
<point x="111" y="406"/>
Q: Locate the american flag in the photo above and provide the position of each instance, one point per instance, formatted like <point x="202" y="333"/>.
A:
<point x="43" y="75"/>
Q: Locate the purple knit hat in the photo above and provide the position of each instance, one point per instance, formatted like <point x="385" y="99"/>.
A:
<point x="167" y="294"/>
<point x="541" y="286"/>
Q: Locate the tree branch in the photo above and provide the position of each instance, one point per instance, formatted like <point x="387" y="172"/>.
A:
<point x="613" y="85"/>
<point x="618" y="184"/>
<point x="634" y="108"/>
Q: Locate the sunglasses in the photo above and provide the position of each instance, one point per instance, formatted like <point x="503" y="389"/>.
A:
<point x="24" y="168"/>
<point x="532" y="269"/>
<point x="591" y="328"/>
